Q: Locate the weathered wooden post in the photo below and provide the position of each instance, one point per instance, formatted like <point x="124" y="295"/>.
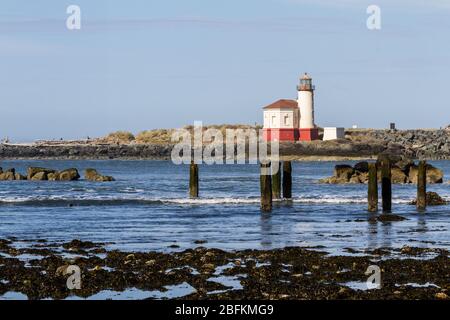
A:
<point x="373" y="188"/>
<point x="422" y="186"/>
<point x="276" y="181"/>
<point x="266" y="187"/>
<point x="287" y="180"/>
<point x="193" y="180"/>
<point x="386" y="185"/>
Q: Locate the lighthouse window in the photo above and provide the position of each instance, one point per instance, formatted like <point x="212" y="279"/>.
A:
<point x="286" y="120"/>
<point x="274" y="120"/>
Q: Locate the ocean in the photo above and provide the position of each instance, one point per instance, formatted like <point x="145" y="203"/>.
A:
<point x="148" y="208"/>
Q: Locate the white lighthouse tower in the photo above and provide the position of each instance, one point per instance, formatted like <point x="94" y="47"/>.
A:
<point x="308" y="129"/>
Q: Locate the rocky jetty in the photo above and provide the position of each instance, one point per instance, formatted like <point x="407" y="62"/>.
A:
<point x="358" y="143"/>
<point x="92" y="175"/>
<point x="44" y="174"/>
<point x="85" y="151"/>
<point x="403" y="171"/>
<point x="40" y="174"/>
<point x="430" y="144"/>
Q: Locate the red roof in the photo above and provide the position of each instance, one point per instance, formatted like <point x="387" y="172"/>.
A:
<point x="283" y="103"/>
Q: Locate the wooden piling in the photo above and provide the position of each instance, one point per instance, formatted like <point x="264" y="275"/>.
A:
<point x="422" y="186"/>
<point x="276" y="181"/>
<point x="193" y="180"/>
<point x="386" y="185"/>
<point x="372" y="197"/>
<point x="266" y="187"/>
<point x="287" y="180"/>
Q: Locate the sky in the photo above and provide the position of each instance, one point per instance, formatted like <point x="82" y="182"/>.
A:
<point x="143" y="64"/>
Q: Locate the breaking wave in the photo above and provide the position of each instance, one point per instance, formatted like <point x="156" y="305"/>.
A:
<point x="122" y="201"/>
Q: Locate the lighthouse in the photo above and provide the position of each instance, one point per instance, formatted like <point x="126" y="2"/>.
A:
<point x="308" y="129"/>
<point x="292" y="120"/>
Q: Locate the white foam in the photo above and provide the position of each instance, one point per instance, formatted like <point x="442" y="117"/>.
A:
<point x="187" y="201"/>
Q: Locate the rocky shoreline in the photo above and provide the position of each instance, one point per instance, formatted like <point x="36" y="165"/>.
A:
<point x="432" y="144"/>
<point x="45" y="174"/>
<point x="359" y="144"/>
<point x="403" y="171"/>
<point x="289" y="273"/>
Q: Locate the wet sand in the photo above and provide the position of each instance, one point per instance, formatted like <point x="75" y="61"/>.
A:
<point x="34" y="270"/>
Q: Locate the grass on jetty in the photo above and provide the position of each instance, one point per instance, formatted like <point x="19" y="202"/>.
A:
<point x="163" y="136"/>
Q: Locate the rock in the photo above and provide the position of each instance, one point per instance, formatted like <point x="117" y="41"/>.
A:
<point x="404" y="165"/>
<point x="387" y="218"/>
<point x="334" y="180"/>
<point x="52" y="176"/>
<point x="403" y="170"/>
<point x="434" y="175"/>
<point x="364" y="177"/>
<point x="18" y="176"/>
<point x="208" y="268"/>
<point x="61" y="271"/>
<point x="441" y="296"/>
<point x="68" y="175"/>
<point x="433" y="199"/>
<point x="355" y="179"/>
<point x="362" y="167"/>
<point x="343" y="171"/>
<point x="92" y="175"/>
<point x="398" y="176"/>
<point x="150" y="262"/>
<point x="40" y="176"/>
<point x="32" y="171"/>
<point x="9" y="175"/>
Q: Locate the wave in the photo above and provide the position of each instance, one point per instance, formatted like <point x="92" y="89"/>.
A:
<point x="116" y="201"/>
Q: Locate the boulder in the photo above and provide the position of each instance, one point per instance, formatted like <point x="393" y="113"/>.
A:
<point x="69" y="175"/>
<point x="362" y="167"/>
<point x="433" y="199"/>
<point x="402" y="171"/>
<point x="343" y="171"/>
<point x="364" y="177"/>
<point x="405" y="164"/>
<point x="18" y="176"/>
<point x="8" y="175"/>
<point x="32" y="171"/>
<point x="93" y="175"/>
<point x="4" y="176"/>
<point x="330" y="180"/>
<point x="398" y="176"/>
<point x="355" y="179"/>
<point x="40" y="176"/>
<point x="434" y="175"/>
<point x="53" y="176"/>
